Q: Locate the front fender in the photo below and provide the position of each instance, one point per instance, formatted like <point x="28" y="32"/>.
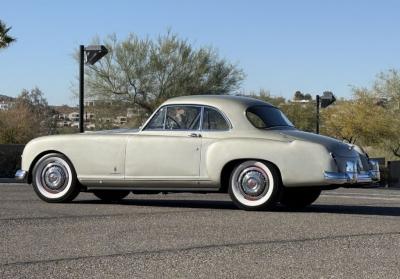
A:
<point x="35" y="149"/>
<point x="92" y="156"/>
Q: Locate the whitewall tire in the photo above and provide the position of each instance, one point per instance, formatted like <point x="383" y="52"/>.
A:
<point x="254" y="185"/>
<point x="54" y="179"/>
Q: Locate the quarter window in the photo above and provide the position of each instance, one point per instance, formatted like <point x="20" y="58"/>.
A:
<point x="213" y="120"/>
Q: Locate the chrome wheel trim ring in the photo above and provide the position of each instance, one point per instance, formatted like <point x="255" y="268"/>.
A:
<point x="261" y="193"/>
<point x="53" y="177"/>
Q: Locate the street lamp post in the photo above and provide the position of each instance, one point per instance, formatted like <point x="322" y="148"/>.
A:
<point x="93" y="54"/>
<point x="318" y="101"/>
<point x="81" y="87"/>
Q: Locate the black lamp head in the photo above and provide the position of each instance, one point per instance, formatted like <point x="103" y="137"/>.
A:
<point x="94" y="53"/>
<point x="327" y="99"/>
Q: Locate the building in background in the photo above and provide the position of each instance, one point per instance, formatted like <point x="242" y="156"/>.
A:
<point x="6" y="102"/>
<point x="98" y="114"/>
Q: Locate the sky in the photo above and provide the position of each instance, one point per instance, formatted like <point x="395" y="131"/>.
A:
<point x="282" y="46"/>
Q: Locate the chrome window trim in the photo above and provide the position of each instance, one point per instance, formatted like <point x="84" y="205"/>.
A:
<point x="165" y="117"/>
<point x="201" y="118"/>
<point x="202" y="107"/>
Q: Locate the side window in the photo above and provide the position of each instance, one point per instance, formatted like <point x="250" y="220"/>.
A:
<point x="183" y="118"/>
<point x="157" y="122"/>
<point x="213" y="120"/>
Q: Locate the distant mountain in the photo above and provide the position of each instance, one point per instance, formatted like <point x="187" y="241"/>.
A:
<point x="4" y="98"/>
<point x="64" y="109"/>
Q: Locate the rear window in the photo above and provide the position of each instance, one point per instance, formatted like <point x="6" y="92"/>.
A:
<point x="264" y="117"/>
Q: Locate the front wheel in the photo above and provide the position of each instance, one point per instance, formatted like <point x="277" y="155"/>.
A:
<point x="254" y="185"/>
<point x="54" y="179"/>
<point x="111" y="195"/>
<point x="299" y="198"/>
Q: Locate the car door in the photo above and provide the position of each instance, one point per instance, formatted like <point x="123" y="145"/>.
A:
<point x="215" y="128"/>
<point x="168" y="148"/>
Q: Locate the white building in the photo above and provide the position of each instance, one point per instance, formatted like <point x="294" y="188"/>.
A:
<point x="4" y="105"/>
<point x="73" y="116"/>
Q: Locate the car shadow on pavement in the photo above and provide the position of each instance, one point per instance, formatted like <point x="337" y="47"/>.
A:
<point x="228" y="205"/>
<point x="210" y="204"/>
<point x="347" y="209"/>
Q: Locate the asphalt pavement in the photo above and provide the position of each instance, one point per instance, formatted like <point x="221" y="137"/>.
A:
<point x="347" y="233"/>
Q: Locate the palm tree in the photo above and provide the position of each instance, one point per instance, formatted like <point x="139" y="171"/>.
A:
<point x="5" y="39"/>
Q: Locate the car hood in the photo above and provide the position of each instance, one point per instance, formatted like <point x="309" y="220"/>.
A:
<point x="335" y="146"/>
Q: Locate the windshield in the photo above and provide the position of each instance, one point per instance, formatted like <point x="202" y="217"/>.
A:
<point x="265" y="117"/>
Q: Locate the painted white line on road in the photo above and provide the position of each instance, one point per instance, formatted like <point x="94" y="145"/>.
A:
<point x="360" y="197"/>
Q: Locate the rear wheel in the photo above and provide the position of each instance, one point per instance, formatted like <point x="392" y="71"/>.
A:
<point x="54" y="179"/>
<point x="254" y="185"/>
<point x="111" y="195"/>
<point x="299" y="198"/>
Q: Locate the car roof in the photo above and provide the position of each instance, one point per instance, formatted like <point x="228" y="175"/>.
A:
<point x="233" y="107"/>
<point x="219" y="101"/>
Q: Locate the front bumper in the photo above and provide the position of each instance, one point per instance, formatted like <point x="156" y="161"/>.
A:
<point x="353" y="176"/>
<point x="21" y="175"/>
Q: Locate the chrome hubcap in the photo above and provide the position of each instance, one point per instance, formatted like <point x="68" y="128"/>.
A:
<point x="54" y="177"/>
<point x="253" y="183"/>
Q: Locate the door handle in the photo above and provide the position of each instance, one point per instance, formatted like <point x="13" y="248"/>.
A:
<point x="194" y="135"/>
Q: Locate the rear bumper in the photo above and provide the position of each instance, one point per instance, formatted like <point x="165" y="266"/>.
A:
<point x="21" y="175"/>
<point x="353" y="176"/>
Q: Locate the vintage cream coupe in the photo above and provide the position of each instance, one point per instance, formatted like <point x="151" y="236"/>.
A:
<point x="239" y="145"/>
